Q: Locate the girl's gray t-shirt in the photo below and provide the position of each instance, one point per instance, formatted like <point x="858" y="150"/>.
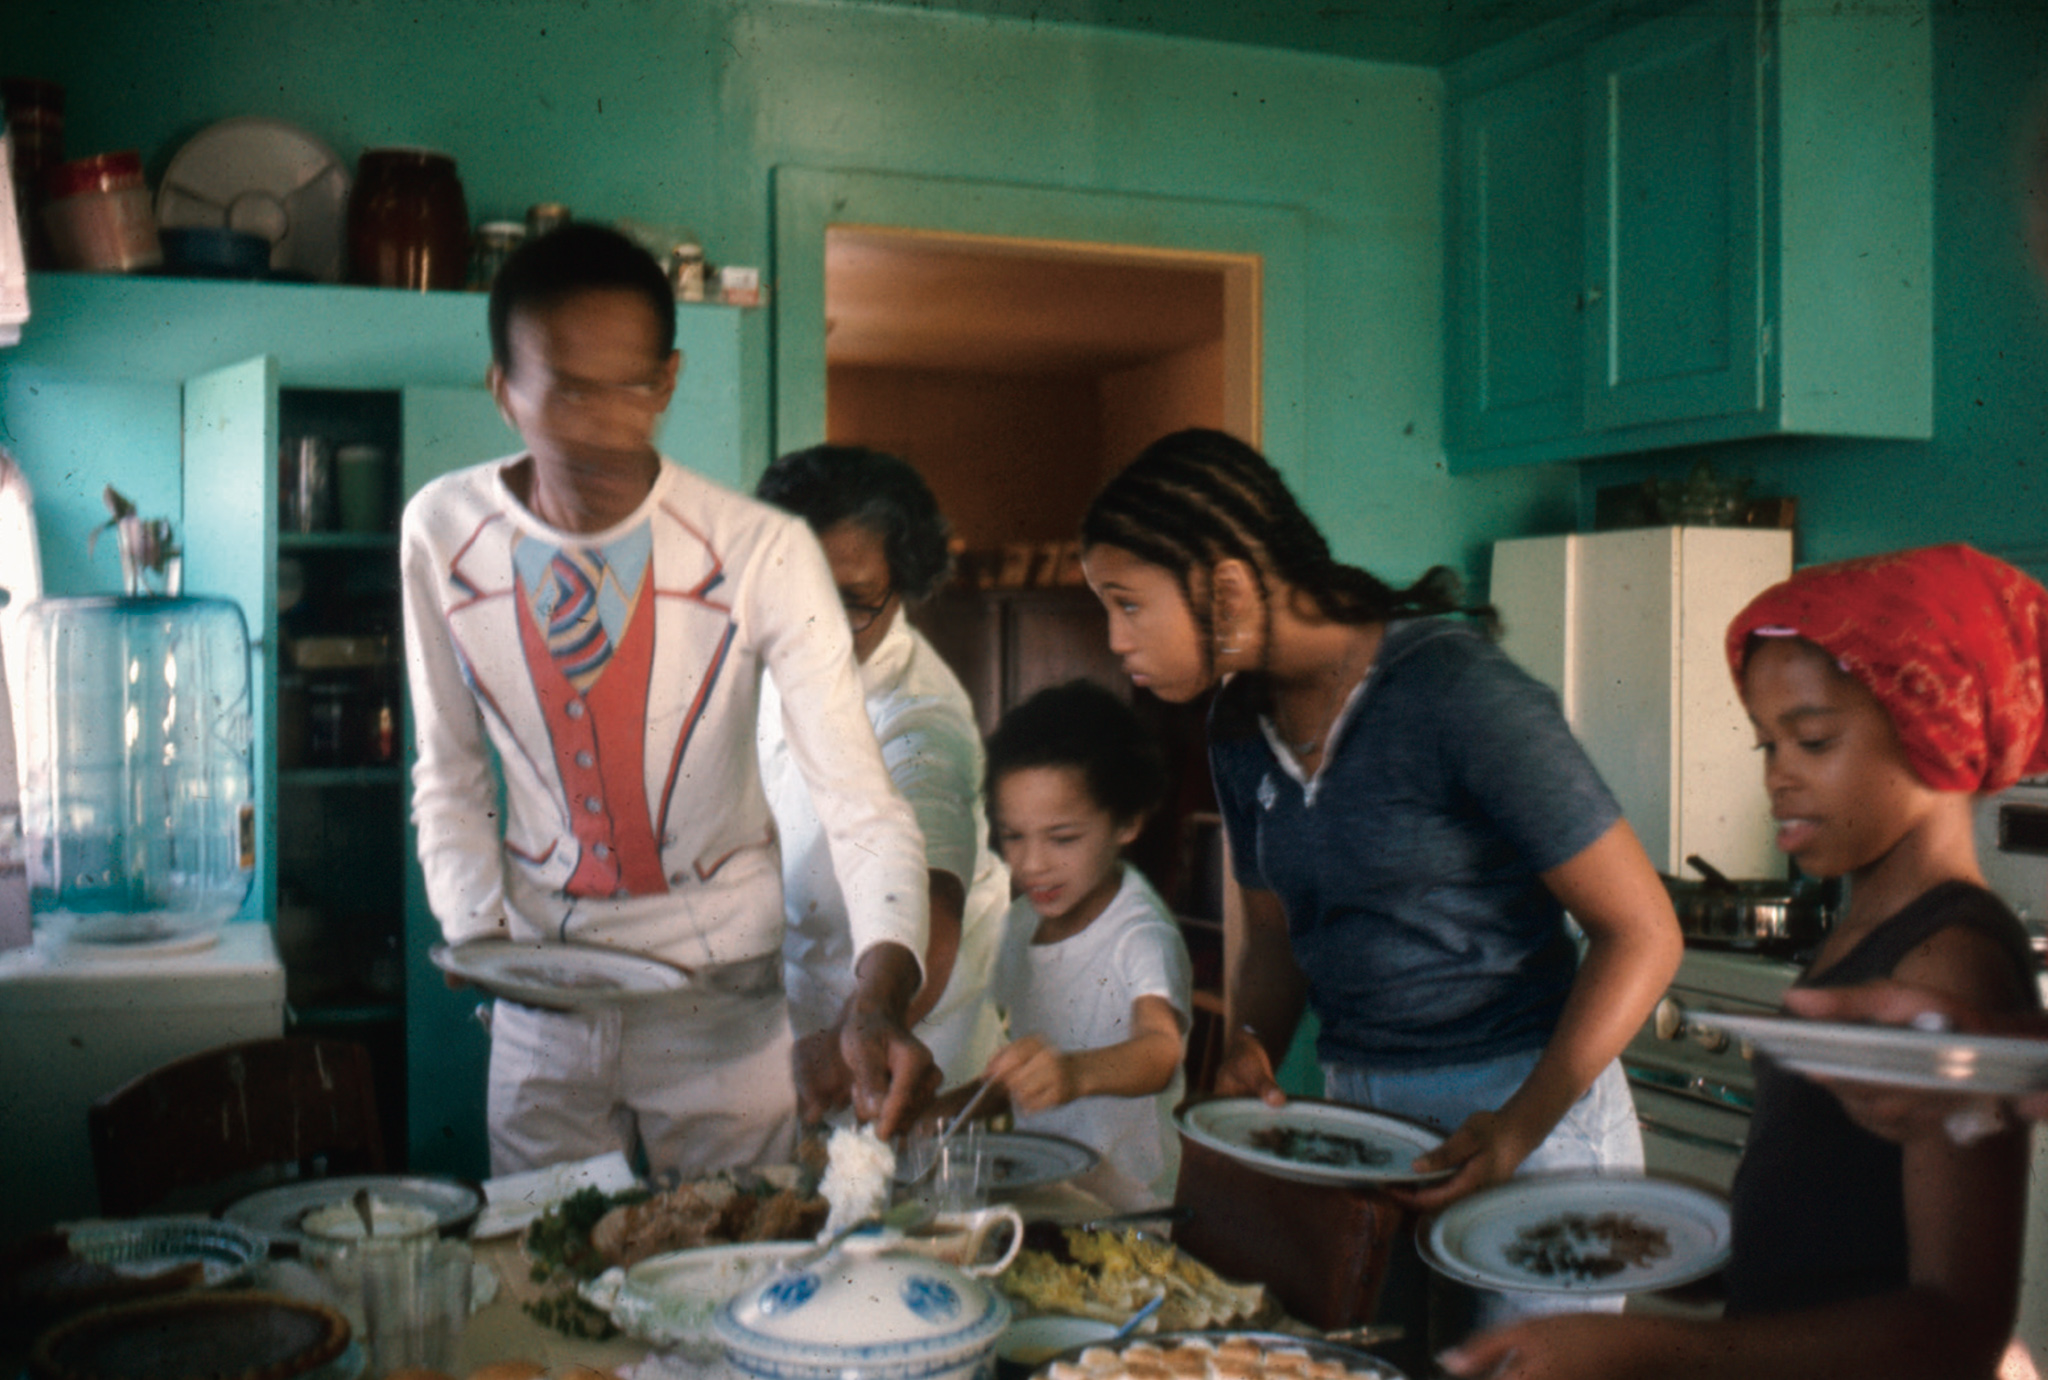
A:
<point x="1409" y="865"/>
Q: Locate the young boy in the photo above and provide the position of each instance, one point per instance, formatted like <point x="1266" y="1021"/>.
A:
<point x="1093" y="974"/>
<point x="600" y="619"/>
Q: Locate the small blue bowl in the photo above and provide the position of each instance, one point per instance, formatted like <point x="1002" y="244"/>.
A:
<point x="206" y="252"/>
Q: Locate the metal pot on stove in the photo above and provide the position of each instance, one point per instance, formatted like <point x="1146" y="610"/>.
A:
<point x="1720" y="912"/>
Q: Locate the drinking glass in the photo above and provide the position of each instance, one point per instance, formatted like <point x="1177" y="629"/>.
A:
<point x="404" y="1290"/>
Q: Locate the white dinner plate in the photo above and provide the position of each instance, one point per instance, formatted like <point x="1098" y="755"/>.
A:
<point x="1944" y="1061"/>
<point x="1021" y="1160"/>
<point x="562" y="976"/>
<point x="1339" y="1144"/>
<point x="224" y="1252"/>
<point x="276" y="1212"/>
<point x="1520" y="1235"/>
<point x="267" y="178"/>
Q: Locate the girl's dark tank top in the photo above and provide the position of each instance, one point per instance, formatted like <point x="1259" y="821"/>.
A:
<point x="1818" y="1203"/>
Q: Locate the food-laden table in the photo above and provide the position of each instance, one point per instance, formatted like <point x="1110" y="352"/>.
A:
<point x="503" y="1330"/>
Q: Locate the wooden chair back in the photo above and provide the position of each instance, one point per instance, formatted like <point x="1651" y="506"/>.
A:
<point x="226" y="1113"/>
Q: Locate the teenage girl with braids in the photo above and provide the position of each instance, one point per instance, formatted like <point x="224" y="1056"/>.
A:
<point x="1409" y="819"/>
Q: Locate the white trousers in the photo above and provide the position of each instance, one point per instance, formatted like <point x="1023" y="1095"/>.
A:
<point x="700" y="1081"/>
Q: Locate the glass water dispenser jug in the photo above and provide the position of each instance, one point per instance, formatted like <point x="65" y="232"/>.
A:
<point x="138" y="805"/>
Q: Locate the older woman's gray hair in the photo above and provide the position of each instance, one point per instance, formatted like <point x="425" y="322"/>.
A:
<point x="883" y="493"/>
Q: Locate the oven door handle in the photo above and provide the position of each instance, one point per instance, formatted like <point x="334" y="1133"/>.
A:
<point x="1686" y="1137"/>
<point x="1715" y="1094"/>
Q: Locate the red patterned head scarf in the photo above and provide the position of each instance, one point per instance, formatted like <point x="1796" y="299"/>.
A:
<point x="1946" y="637"/>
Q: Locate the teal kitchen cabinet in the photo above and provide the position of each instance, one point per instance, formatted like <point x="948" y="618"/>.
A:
<point x="1709" y="224"/>
<point x="231" y="375"/>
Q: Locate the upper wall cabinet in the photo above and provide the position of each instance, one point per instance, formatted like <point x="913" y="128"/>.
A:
<point x="1712" y="223"/>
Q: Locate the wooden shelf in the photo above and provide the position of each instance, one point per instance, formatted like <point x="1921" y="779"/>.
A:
<point x="362" y="1013"/>
<point x="337" y="541"/>
<point x="320" y="777"/>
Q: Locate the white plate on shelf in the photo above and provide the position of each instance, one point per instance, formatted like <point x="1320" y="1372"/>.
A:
<point x="1332" y="1143"/>
<point x="561" y="976"/>
<point x="1941" y="1061"/>
<point x="1546" y="1234"/>
<point x="267" y="178"/>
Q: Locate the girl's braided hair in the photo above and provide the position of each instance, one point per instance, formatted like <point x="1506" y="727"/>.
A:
<point x="1198" y="497"/>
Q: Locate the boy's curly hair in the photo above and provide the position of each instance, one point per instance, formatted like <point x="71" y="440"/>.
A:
<point x="1090" y="728"/>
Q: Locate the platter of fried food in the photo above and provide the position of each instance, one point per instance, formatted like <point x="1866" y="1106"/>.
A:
<point x="1218" y="1356"/>
<point x="1112" y="1273"/>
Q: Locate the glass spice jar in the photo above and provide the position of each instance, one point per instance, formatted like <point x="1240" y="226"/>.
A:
<point x="35" y="119"/>
<point x="495" y="241"/>
<point x="99" y="216"/>
<point x="545" y="216"/>
<point x="408" y="223"/>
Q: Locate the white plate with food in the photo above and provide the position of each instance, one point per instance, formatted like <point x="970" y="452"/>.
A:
<point x="670" y="1299"/>
<point x="276" y="1212"/>
<point x="263" y="177"/>
<point x="1248" y="1355"/>
<point x="1581" y="1234"/>
<point x="1113" y="1274"/>
<point x="1942" y="1061"/>
<point x="1016" y="1161"/>
<point x="1311" y="1141"/>
<point x="566" y="977"/>
<point x="207" y="1252"/>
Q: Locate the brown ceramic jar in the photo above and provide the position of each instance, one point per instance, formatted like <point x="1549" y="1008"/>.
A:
<point x="408" y="224"/>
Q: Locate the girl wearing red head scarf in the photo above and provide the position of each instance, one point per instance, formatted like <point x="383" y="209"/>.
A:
<point x="1885" y="693"/>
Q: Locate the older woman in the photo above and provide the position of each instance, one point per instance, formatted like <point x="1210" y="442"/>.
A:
<point x="886" y="542"/>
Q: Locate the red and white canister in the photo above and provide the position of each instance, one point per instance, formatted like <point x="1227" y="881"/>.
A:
<point x="98" y="214"/>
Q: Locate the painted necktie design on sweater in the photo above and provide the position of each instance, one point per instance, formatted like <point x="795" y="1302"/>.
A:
<point x="583" y="597"/>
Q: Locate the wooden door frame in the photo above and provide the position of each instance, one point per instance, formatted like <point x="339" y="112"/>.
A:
<point x="1259" y="248"/>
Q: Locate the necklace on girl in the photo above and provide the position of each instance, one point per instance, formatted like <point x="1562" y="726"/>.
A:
<point x="1344" y="683"/>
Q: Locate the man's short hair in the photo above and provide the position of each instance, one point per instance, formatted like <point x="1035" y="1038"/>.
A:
<point x="577" y="258"/>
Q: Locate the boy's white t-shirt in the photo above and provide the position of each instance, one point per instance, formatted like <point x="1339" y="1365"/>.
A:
<point x="1077" y="995"/>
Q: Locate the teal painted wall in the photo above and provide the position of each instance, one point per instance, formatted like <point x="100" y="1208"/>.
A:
<point x="1984" y="477"/>
<point x="676" y="113"/>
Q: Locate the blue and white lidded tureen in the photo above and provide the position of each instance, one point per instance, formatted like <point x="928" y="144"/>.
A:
<point x="865" y="1317"/>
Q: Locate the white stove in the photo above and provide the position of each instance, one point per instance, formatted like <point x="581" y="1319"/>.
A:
<point x="1694" y="1087"/>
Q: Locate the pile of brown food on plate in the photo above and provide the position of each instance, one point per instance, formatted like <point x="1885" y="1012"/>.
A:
<point x="1224" y="1358"/>
<point x="591" y="1231"/>
<point x="710" y="1212"/>
<point x="1112" y="1274"/>
<point x="1586" y="1248"/>
<point x="1305" y="1146"/>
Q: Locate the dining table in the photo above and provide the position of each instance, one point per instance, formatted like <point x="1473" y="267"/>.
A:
<point x="501" y="1329"/>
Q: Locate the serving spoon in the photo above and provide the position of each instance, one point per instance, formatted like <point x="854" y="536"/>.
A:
<point x="904" y="1216"/>
<point x="1136" y="1320"/>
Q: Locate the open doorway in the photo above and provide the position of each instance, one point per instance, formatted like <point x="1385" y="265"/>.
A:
<point x="1018" y="374"/>
<point x="1006" y="289"/>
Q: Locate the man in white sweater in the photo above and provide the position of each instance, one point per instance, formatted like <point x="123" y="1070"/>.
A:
<point x="599" y="619"/>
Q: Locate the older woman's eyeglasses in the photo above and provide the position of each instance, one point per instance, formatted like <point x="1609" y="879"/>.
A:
<point x="861" y="617"/>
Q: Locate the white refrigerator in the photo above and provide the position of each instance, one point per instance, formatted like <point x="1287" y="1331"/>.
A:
<point x="1627" y="627"/>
